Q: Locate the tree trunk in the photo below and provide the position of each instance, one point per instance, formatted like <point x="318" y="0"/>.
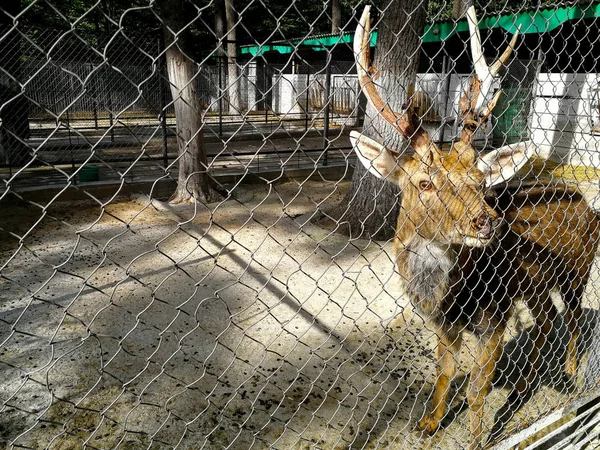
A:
<point x="336" y="16"/>
<point x="371" y="205"/>
<point x="193" y="183"/>
<point x="233" y="70"/>
<point x="221" y="54"/>
<point x="14" y="105"/>
<point x="459" y="7"/>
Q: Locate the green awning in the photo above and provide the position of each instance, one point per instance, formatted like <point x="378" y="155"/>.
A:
<point x="530" y="22"/>
<point x="316" y="43"/>
<point x="541" y="21"/>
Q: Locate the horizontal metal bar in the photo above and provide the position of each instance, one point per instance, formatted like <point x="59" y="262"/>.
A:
<point x="568" y="439"/>
<point x="562" y="427"/>
<point x="520" y="436"/>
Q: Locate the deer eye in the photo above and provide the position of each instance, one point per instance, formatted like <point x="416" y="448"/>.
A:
<point x="425" y="185"/>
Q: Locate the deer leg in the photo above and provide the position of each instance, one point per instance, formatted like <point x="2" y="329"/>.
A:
<point x="447" y="349"/>
<point x="480" y="384"/>
<point x="544" y="312"/>
<point x="572" y="299"/>
<point x="573" y="317"/>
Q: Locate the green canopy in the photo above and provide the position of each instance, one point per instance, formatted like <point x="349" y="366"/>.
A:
<point x="540" y="21"/>
<point x="530" y="22"/>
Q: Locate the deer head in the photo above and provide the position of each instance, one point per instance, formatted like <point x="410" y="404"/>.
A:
<point x="443" y="191"/>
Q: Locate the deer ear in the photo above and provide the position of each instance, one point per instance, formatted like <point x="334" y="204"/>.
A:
<point x="380" y="161"/>
<point x="502" y="164"/>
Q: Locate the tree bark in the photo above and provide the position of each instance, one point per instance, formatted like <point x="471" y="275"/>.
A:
<point x="14" y="105"/>
<point x="336" y="17"/>
<point x="459" y="7"/>
<point x="233" y="70"/>
<point x="371" y="205"/>
<point x="193" y="183"/>
<point x="221" y="54"/>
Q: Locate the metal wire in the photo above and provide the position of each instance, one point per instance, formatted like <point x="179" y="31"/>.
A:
<point x="273" y="315"/>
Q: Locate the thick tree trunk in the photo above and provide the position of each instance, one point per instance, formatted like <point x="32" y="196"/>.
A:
<point x="221" y="54"/>
<point x="14" y="106"/>
<point x="371" y="205"/>
<point x="459" y="7"/>
<point x="233" y="70"/>
<point x="15" y="125"/>
<point x="193" y="183"/>
<point x="336" y="16"/>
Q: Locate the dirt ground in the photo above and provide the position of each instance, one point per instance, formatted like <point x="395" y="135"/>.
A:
<point x="139" y="324"/>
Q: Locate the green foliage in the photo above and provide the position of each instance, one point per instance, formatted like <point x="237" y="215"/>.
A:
<point x="277" y="20"/>
<point x="259" y="21"/>
<point x="439" y="10"/>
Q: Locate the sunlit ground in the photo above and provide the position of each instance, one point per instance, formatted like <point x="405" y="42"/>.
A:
<point x="241" y="325"/>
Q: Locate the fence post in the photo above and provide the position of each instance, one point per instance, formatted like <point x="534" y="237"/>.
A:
<point x="72" y="165"/>
<point x="264" y="93"/>
<point x="109" y="105"/>
<point x="94" y="96"/>
<point x="6" y="156"/>
<point x="220" y="62"/>
<point x="69" y="127"/>
<point x="70" y="147"/>
<point x="162" y="93"/>
<point x="307" y="100"/>
<point x="446" y="79"/>
<point x="326" y="109"/>
<point x="163" y="103"/>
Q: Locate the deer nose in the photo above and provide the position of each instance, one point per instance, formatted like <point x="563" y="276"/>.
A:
<point x="483" y="223"/>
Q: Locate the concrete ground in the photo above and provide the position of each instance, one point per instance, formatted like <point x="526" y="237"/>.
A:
<point x="140" y="324"/>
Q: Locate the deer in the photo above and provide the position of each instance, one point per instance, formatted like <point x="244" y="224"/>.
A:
<point x="467" y="251"/>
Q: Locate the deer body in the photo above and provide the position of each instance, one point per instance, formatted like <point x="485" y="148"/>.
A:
<point x="545" y="240"/>
<point x="465" y="256"/>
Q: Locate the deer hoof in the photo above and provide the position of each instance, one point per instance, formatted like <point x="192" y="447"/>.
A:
<point x="571" y="367"/>
<point x="475" y="445"/>
<point x="428" y="424"/>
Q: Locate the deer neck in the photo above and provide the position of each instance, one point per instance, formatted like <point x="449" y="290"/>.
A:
<point x="430" y="269"/>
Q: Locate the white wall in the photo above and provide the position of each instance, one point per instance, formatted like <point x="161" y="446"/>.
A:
<point x="436" y="86"/>
<point x="289" y="94"/>
<point x="564" y="115"/>
<point x="561" y="118"/>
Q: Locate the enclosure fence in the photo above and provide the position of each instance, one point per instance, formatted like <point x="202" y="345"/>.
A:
<point x="267" y="225"/>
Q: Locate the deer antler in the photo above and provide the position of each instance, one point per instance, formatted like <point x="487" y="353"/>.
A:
<point x="473" y="113"/>
<point x="407" y="124"/>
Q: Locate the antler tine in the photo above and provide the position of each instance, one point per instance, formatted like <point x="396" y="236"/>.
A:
<point x="495" y="67"/>
<point x="402" y="122"/>
<point x="485" y="112"/>
<point x="481" y="68"/>
<point x="485" y="73"/>
<point x="364" y="69"/>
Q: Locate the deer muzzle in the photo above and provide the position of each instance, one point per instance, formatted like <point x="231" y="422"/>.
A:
<point x="485" y="225"/>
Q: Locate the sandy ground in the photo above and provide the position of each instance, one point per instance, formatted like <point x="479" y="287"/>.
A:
<point x="143" y="325"/>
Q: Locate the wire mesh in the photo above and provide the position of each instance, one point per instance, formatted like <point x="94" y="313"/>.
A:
<point x="194" y="254"/>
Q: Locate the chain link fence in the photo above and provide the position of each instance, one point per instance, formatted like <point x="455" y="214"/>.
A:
<point x="280" y="306"/>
